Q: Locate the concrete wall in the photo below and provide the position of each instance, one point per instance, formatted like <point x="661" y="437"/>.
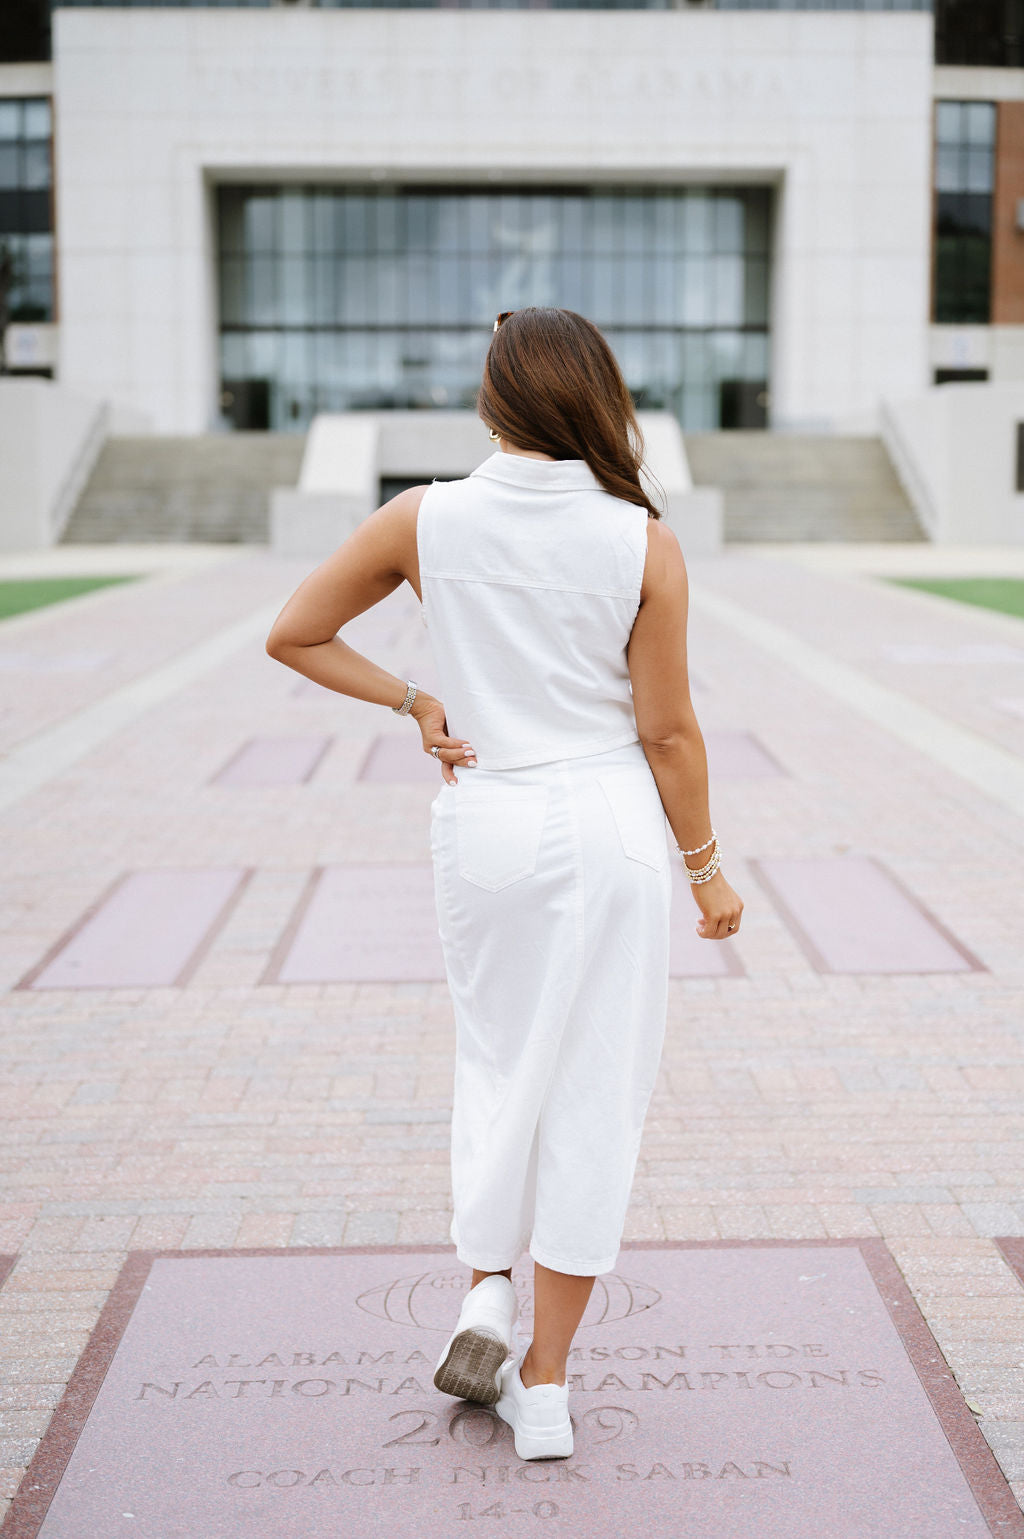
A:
<point x="49" y="440"/>
<point x="154" y="105"/>
<point x="955" y="450"/>
<point x="26" y="79"/>
<point x="347" y="453"/>
<point x="999" y="349"/>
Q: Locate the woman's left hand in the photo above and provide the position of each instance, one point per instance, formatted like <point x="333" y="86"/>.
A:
<point x="433" y="725"/>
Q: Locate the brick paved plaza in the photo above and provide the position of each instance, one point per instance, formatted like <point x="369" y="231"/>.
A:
<point x="236" y="1096"/>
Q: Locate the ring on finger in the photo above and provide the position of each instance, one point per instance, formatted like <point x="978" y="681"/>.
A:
<point x="436" y="751"/>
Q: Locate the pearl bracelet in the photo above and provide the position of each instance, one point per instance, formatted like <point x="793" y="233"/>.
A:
<point x="706" y="874"/>
<point x="699" y="847"/>
<point x="712" y="859"/>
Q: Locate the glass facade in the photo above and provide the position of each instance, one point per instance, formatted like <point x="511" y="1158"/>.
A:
<point x="26" y="217"/>
<point x="821" y="5"/>
<point x="355" y="297"/>
<point x="149" y="5"/>
<point x="429" y="5"/>
<point x="980" y="32"/>
<point x="965" y="136"/>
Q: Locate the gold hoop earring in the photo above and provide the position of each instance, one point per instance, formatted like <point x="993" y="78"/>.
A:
<point x="494" y="437"/>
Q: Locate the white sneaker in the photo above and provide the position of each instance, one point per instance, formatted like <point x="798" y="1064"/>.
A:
<point x="538" y="1415"/>
<point x="470" y="1365"/>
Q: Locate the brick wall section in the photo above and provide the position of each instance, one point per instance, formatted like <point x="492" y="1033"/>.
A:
<point x="1008" y="241"/>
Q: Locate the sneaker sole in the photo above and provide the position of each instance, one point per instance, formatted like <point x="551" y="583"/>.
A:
<point x="533" y="1445"/>
<point x="470" y="1368"/>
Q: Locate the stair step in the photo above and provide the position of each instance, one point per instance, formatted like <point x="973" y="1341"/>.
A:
<point x="214" y="487"/>
<point x="205" y="487"/>
<point x="783" y="486"/>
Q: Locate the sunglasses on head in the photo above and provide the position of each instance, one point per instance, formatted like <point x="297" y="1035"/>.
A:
<point x="503" y="317"/>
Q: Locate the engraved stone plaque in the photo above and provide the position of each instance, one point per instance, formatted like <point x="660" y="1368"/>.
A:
<point x="721" y="1390"/>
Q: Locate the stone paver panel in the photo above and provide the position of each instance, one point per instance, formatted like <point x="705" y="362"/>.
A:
<point x="852" y="916"/>
<point x="149" y="930"/>
<point x="739" y="756"/>
<point x="392" y="758"/>
<point x="362" y="923"/>
<point x="1012" y="1247"/>
<point x="273" y="761"/>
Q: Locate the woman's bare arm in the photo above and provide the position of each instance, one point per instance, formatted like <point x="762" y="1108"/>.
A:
<point x="375" y="559"/>
<point x="666" y="722"/>
<point x="361" y="572"/>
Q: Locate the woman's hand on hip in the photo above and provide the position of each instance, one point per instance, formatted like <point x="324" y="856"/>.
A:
<point x="720" y="908"/>
<point x="433" y="726"/>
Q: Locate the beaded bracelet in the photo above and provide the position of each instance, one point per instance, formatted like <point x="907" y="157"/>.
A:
<point x="706" y="872"/>
<point x="699" y="847"/>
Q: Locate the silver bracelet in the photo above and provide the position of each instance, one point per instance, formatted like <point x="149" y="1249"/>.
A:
<point x="410" y="696"/>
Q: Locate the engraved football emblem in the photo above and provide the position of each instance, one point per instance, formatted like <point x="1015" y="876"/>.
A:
<point x="426" y="1299"/>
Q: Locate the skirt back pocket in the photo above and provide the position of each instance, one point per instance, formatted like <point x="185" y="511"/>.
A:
<point x="632" y="795"/>
<point x="498" y="832"/>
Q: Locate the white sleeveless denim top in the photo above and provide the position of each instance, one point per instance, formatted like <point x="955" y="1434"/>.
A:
<point x="530" y="573"/>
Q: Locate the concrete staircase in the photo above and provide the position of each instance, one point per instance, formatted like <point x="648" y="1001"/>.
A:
<point x="214" y="487"/>
<point x="211" y="487"/>
<point x="782" y="486"/>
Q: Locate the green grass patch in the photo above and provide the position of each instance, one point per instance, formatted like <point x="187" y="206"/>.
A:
<point x="1003" y="593"/>
<point x="20" y="594"/>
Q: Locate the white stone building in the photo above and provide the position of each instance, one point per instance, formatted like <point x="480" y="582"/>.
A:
<point x="783" y="213"/>
<point x="331" y="206"/>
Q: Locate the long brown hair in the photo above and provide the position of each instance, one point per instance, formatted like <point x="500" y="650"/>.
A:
<point x="552" y="383"/>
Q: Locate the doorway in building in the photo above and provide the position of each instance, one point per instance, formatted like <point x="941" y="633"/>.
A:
<point x="390" y="486"/>
<point x="246" y="404"/>
<point x="743" y="403"/>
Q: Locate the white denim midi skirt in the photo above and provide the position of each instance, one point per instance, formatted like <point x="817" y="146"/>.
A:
<point x="553" y="888"/>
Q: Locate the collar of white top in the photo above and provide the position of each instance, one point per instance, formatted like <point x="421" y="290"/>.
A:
<point x="544" y="475"/>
